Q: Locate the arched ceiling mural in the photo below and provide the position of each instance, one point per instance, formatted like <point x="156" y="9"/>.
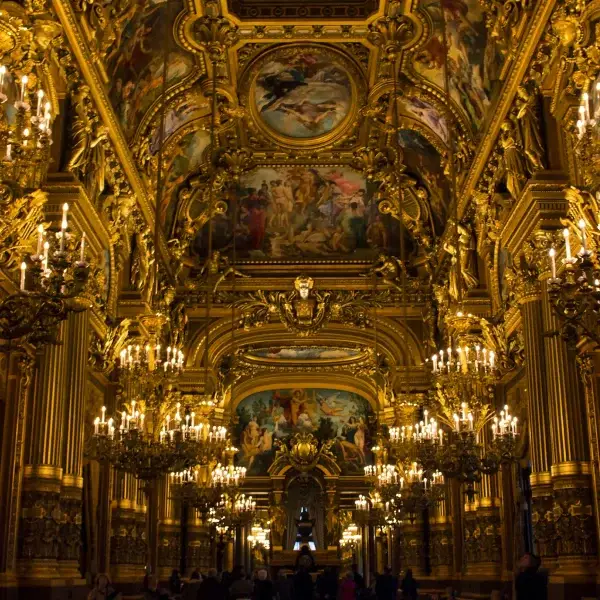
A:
<point x="304" y="98"/>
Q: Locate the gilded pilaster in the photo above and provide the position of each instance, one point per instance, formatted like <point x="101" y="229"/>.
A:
<point x="412" y="551"/>
<point x="440" y="542"/>
<point x="41" y="514"/>
<point x="169" y="531"/>
<point x="77" y="329"/>
<point x="571" y="472"/>
<point x="540" y="443"/>
<point x="19" y="374"/>
<point x="128" y="534"/>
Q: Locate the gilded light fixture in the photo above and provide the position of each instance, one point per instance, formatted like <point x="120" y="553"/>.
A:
<point x="50" y="281"/>
<point x="25" y="143"/>
<point x="575" y="291"/>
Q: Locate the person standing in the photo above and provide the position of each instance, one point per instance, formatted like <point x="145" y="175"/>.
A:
<point x="348" y="587"/>
<point x="283" y="586"/>
<point x="211" y="588"/>
<point x="303" y="585"/>
<point x="358" y="579"/>
<point x="241" y="588"/>
<point x="385" y="588"/>
<point x="530" y="584"/>
<point x="409" y="586"/>
<point x="263" y="587"/>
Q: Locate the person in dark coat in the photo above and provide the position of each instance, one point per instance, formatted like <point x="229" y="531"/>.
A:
<point x="385" y="587"/>
<point x="359" y="580"/>
<point x="303" y="585"/>
<point x="263" y="586"/>
<point x="327" y="585"/>
<point x="530" y="583"/>
<point x="283" y="586"/>
<point x="211" y="588"/>
<point x="409" y="586"/>
<point x="175" y="582"/>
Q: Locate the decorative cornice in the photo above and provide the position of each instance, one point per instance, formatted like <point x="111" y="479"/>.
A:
<point x="526" y="50"/>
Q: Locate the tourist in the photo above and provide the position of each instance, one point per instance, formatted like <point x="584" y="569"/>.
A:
<point x="103" y="590"/>
<point x="153" y="592"/>
<point x="303" y="585"/>
<point x="175" y="582"/>
<point x="359" y="580"/>
<point x="348" y="587"/>
<point x="211" y="588"/>
<point x="409" y="586"/>
<point x="283" y="586"/>
<point x="386" y="585"/>
<point x="190" y="589"/>
<point x="327" y="585"/>
<point x="530" y="584"/>
<point x="241" y="588"/>
<point x="263" y="587"/>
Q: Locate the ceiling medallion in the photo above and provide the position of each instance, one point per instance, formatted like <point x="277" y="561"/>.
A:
<point x="303" y="95"/>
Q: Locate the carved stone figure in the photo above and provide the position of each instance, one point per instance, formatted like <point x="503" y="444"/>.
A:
<point x="529" y="126"/>
<point x="142" y="258"/>
<point x="389" y="268"/>
<point x="217" y="268"/>
<point x="87" y="159"/>
<point x="467" y="255"/>
<point x="513" y="161"/>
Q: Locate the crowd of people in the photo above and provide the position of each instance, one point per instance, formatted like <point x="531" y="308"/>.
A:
<point x="238" y="585"/>
<point x="530" y="584"/>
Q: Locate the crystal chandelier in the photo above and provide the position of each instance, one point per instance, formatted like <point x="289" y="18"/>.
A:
<point x="134" y="447"/>
<point x="49" y="280"/>
<point x="139" y="361"/>
<point x="350" y="536"/>
<point x="25" y="144"/>
<point x="259" y="537"/>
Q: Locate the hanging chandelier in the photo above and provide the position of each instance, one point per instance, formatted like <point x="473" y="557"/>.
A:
<point x="351" y="536"/>
<point x="149" y="453"/>
<point x="259" y="537"/>
<point x="50" y="280"/>
<point x="25" y="143"/>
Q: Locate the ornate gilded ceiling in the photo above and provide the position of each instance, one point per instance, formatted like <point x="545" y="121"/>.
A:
<point x="306" y="88"/>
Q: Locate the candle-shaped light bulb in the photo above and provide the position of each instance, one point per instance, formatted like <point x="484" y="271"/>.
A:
<point x="2" y="74"/>
<point x="567" y="243"/>
<point x="586" y="104"/>
<point x="24" y="81"/>
<point x="40" y="239"/>
<point x="40" y="96"/>
<point x="23" y="270"/>
<point x="552" y="254"/>
<point x="82" y="248"/>
<point x="103" y="413"/>
<point x="583" y="237"/>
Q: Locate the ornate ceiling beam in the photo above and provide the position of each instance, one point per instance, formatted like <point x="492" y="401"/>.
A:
<point x="89" y="71"/>
<point x="526" y="51"/>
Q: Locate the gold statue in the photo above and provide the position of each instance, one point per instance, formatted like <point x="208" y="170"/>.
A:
<point x="514" y="165"/>
<point x="87" y="160"/>
<point x="142" y="259"/>
<point x="467" y="255"/>
<point x="390" y="268"/>
<point x="217" y="266"/>
<point x="530" y="129"/>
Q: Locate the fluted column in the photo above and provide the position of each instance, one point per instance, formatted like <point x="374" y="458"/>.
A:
<point x="19" y="374"/>
<point x="538" y="422"/>
<point x="440" y="542"/>
<point x="571" y="471"/>
<point x="77" y="331"/>
<point x="456" y="511"/>
<point x="127" y="543"/>
<point x="489" y="522"/>
<point x="169" y="532"/>
<point x="39" y="532"/>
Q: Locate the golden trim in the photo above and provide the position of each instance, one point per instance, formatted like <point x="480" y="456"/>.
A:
<point x="72" y="481"/>
<point x="43" y="472"/>
<point x="540" y="479"/>
<point x="571" y="468"/>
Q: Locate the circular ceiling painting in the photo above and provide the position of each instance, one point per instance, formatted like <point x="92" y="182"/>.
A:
<point x="303" y="94"/>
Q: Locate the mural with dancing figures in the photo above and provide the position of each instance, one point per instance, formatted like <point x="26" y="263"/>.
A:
<point x="474" y="59"/>
<point x="305" y="352"/>
<point x="342" y="416"/>
<point x="303" y="212"/>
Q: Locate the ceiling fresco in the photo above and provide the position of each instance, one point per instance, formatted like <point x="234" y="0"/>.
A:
<point x="295" y="354"/>
<point x="304" y="99"/>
